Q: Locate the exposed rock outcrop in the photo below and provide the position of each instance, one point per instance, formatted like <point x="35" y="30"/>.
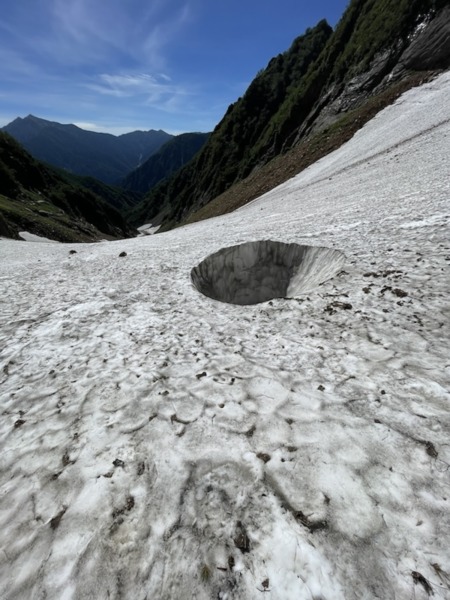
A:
<point x="427" y="48"/>
<point x="430" y="48"/>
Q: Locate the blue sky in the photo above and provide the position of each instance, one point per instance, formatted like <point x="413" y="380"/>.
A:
<point x="121" y="65"/>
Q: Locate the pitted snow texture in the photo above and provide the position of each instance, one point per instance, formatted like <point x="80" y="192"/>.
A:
<point x="255" y="272"/>
<point x="156" y="448"/>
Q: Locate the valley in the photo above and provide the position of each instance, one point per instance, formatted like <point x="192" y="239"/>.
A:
<point x="224" y="366"/>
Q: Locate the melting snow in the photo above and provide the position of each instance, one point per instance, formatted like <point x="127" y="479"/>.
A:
<point x="32" y="237"/>
<point x="157" y="444"/>
<point x="148" y="229"/>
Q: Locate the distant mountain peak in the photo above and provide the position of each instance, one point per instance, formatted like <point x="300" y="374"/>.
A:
<point x="103" y="156"/>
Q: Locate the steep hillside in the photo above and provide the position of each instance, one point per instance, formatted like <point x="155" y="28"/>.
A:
<point x="172" y="156"/>
<point x="309" y="150"/>
<point x="320" y="80"/>
<point x="229" y="153"/>
<point x="35" y="198"/>
<point x="114" y="195"/>
<point x="106" y="157"/>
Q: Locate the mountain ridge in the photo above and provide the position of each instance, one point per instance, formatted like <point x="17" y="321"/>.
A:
<point x="172" y="155"/>
<point x="103" y="156"/>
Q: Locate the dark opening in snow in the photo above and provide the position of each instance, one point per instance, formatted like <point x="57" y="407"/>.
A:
<point x="255" y="272"/>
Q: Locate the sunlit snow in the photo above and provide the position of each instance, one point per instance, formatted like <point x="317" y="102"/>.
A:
<point x="157" y="444"/>
<point x="32" y="237"/>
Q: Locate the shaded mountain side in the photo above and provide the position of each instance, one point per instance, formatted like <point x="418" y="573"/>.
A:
<point x="35" y="198"/>
<point x="173" y="155"/>
<point x="117" y="197"/>
<point x="307" y="152"/>
<point x="103" y="156"/>
<point x="229" y="153"/>
<point x="376" y="44"/>
<point x="388" y="43"/>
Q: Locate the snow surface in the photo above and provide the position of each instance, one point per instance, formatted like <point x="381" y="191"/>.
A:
<point x="157" y="444"/>
<point x="32" y="237"/>
<point x="148" y="229"/>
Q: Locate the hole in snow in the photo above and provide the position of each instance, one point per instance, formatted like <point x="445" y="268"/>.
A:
<point x="255" y="272"/>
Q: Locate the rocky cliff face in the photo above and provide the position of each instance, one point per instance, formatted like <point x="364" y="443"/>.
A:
<point x="430" y="45"/>
<point x="426" y="48"/>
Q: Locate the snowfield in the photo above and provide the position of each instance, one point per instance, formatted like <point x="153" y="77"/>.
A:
<point x="160" y="445"/>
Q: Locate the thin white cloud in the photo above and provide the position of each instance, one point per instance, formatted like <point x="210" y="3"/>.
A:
<point x="87" y="126"/>
<point x="81" y="60"/>
<point x="85" y="30"/>
<point x="155" y="91"/>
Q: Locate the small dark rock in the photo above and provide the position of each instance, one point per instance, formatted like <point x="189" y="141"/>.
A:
<point x="264" y="457"/>
<point x="331" y="308"/>
<point x="118" y="463"/>
<point x="321" y="388"/>
<point x="311" y="525"/>
<point x="241" y="540"/>
<point x="54" y="523"/>
<point x="72" y="251"/>
<point x="122" y="254"/>
<point x="251" y="431"/>
<point x="265" y="583"/>
<point x="19" y="423"/>
<point x="200" y="375"/>
<point x="129" y="504"/>
<point x="400" y="293"/>
<point x="431" y="450"/>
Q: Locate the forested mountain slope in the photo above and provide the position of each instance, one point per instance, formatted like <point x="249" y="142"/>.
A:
<point x="319" y="81"/>
<point x="173" y="155"/>
<point x="34" y="198"/>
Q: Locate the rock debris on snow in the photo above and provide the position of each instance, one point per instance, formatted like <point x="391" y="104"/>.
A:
<point x="159" y="444"/>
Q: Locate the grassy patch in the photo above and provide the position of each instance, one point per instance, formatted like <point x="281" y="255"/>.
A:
<point x="27" y="217"/>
